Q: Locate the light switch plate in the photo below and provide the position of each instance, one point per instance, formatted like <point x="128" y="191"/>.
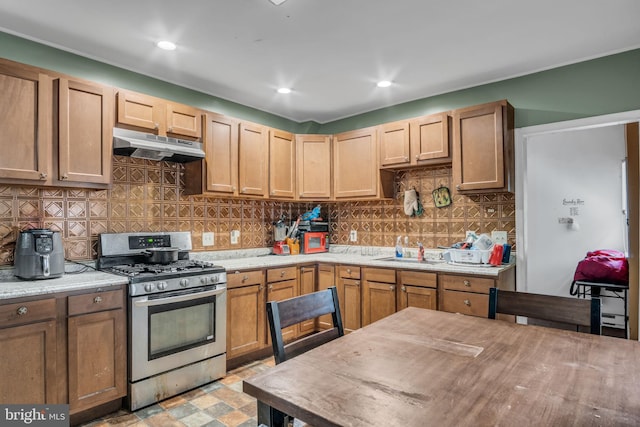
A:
<point x="235" y="235"/>
<point x="208" y="239"/>
<point x="499" y="237"/>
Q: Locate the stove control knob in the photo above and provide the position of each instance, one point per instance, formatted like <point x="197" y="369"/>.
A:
<point x="162" y="285"/>
<point x="214" y="279"/>
<point x="204" y="280"/>
<point x="184" y="282"/>
<point x="149" y="287"/>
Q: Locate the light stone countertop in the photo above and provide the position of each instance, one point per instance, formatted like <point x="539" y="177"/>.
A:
<point x="78" y="277"/>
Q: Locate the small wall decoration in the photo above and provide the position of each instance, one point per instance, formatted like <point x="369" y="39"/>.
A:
<point x="441" y="197"/>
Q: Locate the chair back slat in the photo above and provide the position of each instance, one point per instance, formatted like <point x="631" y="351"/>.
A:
<point x="571" y="311"/>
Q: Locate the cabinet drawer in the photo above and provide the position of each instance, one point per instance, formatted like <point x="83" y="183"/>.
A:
<point x="27" y="312"/>
<point x="349" y="272"/>
<point x="244" y="278"/>
<point x="95" y="301"/>
<point x="380" y="275"/>
<point x="465" y="303"/>
<point x="418" y="278"/>
<point x="279" y="274"/>
<point x="467" y="283"/>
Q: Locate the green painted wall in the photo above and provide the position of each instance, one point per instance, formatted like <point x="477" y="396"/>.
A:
<point x="600" y="86"/>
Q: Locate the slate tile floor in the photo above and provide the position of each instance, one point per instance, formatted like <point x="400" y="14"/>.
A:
<point x="218" y="404"/>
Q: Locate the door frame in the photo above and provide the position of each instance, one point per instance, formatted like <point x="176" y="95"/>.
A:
<point x="522" y="138"/>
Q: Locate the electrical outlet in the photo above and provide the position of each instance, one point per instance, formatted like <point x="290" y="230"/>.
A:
<point x="208" y="239"/>
<point x="353" y="236"/>
<point x="235" y="235"/>
<point x="499" y="237"/>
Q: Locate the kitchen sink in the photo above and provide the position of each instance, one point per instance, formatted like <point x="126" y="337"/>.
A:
<point x="411" y="260"/>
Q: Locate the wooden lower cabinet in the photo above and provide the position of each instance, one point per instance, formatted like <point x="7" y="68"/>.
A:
<point x="246" y="313"/>
<point x="96" y="352"/>
<point x="326" y="279"/>
<point x="417" y="289"/>
<point x="28" y="352"/>
<point x="349" y="295"/>
<point x="378" y="294"/>
<point x="470" y="294"/>
<point x="282" y="283"/>
<point x="307" y="279"/>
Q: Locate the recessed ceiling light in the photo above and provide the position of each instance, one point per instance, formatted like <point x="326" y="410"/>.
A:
<point x="166" y="45"/>
<point x="384" y="83"/>
<point x="284" y="90"/>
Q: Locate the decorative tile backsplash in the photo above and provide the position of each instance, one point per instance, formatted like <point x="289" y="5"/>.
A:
<point x="146" y="196"/>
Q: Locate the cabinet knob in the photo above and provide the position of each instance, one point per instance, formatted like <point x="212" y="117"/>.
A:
<point x="261" y="287"/>
<point x="97" y="300"/>
<point x="22" y="311"/>
<point x="467" y="283"/>
<point x="403" y="289"/>
<point x="467" y="302"/>
<point x="270" y="286"/>
<point x="273" y="192"/>
<point x="245" y="278"/>
<point x="458" y="187"/>
<point x="301" y="269"/>
<point x="64" y="176"/>
<point x="282" y="273"/>
<point x="406" y="159"/>
<point x="348" y="271"/>
<point x="392" y="287"/>
<point x="169" y="129"/>
<point x="358" y="283"/>
<point x="301" y="194"/>
<point x="243" y="189"/>
<point x="417" y="156"/>
<point x="233" y="188"/>
<point x="43" y="175"/>
<point x="156" y="126"/>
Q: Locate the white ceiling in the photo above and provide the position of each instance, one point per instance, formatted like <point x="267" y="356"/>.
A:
<point x="330" y="52"/>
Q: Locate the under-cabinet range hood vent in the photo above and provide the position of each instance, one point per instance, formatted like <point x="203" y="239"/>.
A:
<point x="154" y="147"/>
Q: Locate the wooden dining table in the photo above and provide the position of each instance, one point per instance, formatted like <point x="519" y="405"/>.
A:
<point x="422" y="367"/>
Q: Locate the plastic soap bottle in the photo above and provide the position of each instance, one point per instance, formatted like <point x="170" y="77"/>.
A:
<point x="420" y="252"/>
<point x="399" y="247"/>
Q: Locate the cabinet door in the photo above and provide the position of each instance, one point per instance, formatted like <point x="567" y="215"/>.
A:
<point x="97" y="359"/>
<point x="85" y="132"/>
<point x="28" y="364"/>
<point x="394" y="144"/>
<point x="141" y="111"/>
<point x="351" y="304"/>
<point x="218" y="172"/>
<point x="326" y="279"/>
<point x="183" y="120"/>
<point x="253" y="160"/>
<point x="313" y="154"/>
<point x="483" y="137"/>
<point x="25" y="124"/>
<point x="416" y="296"/>
<point x="429" y="138"/>
<point x="246" y="316"/>
<point x="378" y="301"/>
<point x="282" y="164"/>
<point x="279" y="291"/>
<point x="355" y="164"/>
<point x="307" y="286"/>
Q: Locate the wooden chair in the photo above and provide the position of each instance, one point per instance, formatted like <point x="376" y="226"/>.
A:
<point x="298" y="309"/>
<point x="560" y="310"/>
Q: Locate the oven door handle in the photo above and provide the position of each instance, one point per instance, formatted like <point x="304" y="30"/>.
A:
<point x="188" y="297"/>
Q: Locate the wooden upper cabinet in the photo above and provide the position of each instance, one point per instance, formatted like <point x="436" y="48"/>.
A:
<point x="218" y="172"/>
<point x="420" y="141"/>
<point x="85" y="132"/>
<point x="253" y="160"/>
<point x="355" y="164"/>
<point x="183" y="120"/>
<point x="483" y="148"/>
<point x="430" y="138"/>
<point x="25" y="124"/>
<point x="313" y="154"/>
<point x="282" y="164"/>
<point x="150" y="114"/>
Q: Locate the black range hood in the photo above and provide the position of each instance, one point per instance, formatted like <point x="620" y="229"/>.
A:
<point x="154" y="147"/>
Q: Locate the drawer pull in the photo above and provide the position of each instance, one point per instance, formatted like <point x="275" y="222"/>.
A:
<point x="22" y="311"/>
<point x="467" y="302"/>
<point x="358" y="283"/>
<point x="392" y="287"/>
<point x="245" y="278"/>
<point x="404" y="289"/>
<point x="348" y="271"/>
<point x="467" y="283"/>
<point x="282" y="273"/>
<point x="97" y="300"/>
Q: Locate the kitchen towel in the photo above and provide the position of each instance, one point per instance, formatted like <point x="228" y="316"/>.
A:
<point x="410" y="202"/>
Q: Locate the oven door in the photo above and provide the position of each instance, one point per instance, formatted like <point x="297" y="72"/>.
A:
<point x="174" y="329"/>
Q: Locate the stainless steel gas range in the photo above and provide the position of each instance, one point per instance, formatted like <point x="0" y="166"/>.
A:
<point x="176" y="318"/>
